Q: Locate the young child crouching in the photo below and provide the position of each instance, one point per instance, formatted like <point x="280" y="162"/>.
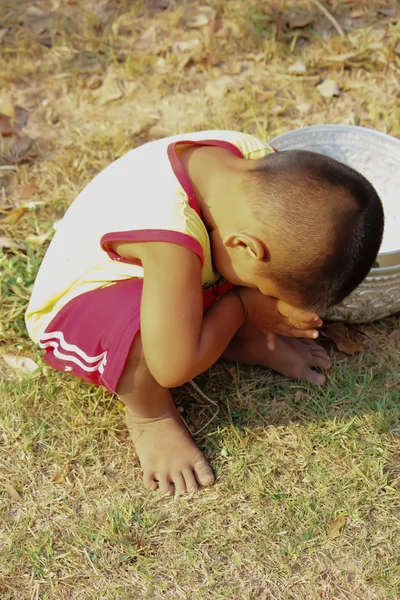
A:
<point x="192" y="248"/>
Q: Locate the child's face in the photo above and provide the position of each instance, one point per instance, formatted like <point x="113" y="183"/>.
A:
<point x="238" y="257"/>
<point x="240" y="270"/>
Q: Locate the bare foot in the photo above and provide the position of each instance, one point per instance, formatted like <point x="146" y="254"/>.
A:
<point x="295" y="358"/>
<point x="169" y="458"/>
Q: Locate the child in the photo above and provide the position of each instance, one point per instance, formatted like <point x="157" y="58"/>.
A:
<point x="118" y="300"/>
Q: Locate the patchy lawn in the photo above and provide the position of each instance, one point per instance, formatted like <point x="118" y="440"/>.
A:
<point x="306" y="504"/>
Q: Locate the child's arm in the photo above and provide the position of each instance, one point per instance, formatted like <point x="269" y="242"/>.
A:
<point x="179" y="340"/>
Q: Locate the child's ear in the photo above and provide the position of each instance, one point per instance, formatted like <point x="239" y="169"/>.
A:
<point x="244" y="241"/>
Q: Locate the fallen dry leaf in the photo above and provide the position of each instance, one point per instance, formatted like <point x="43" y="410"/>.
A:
<point x="387" y="12"/>
<point x="299" y="21"/>
<point x="6" y="242"/>
<point x="356" y="13"/>
<point x="217" y="88"/>
<point x="197" y="21"/>
<point x="6" y="105"/>
<point x="339" y="334"/>
<point x="93" y="82"/>
<point x="395" y="335"/>
<point x="299" y="396"/>
<point x="336" y="526"/>
<point x="11" y="491"/>
<point x="185" y="45"/>
<point x="60" y="476"/>
<point x="110" y="91"/>
<point x="147" y="40"/>
<point x="198" y="17"/>
<point x="19" y="150"/>
<point x="3" y="31"/>
<point x="305" y="108"/>
<point x="328" y="88"/>
<point x="6" y="126"/>
<point x="298" y="68"/>
<point x="161" y="4"/>
<point x="14" y="216"/>
<point x="22" y="364"/>
<point x="21" y="117"/>
<point x="28" y="190"/>
<point x="38" y="22"/>
<point x="36" y="241"/>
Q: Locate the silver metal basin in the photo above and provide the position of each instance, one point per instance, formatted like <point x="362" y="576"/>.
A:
<point x="377" y="156"/>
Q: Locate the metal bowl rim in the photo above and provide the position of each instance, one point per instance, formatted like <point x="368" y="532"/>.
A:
<point x="330" y="126"/>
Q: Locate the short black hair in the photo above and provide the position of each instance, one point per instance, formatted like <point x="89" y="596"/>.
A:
<point x="328" y="217"/>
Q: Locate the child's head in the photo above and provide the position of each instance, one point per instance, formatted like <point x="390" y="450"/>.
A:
<point x="317" y="228"/>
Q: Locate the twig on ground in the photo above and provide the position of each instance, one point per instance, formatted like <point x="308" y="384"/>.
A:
<point x="203" y="395"/>
<point x="330" y="18"/>
<point x="90" y="561"/>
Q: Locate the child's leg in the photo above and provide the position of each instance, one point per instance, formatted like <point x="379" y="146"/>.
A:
<point x="166" y="451"/>
<point x="292" y="357"/>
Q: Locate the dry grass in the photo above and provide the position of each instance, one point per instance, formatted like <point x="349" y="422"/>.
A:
<point x="98" y="78"/>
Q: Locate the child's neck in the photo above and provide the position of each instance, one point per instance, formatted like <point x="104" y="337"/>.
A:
<point x="217" y="178"/>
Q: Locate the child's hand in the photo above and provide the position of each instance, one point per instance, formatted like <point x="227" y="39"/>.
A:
<point x="277" y="317"/>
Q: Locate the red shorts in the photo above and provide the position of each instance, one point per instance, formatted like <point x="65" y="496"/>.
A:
<point x="91" y="335"/>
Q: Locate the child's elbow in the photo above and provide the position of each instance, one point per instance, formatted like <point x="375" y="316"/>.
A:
<point x="171" y="376"/>
<point x="171" y="380"/>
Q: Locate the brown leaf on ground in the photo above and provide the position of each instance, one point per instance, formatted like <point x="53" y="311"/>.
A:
<point x="201" y="16"/>
<point x="299" y="21"/>
<point x="395" y="335"/>
<point x="38" y="22"/>
<point x="21" y="117"/>
<point x="27" y="191"/>
<point x="20" y="150"/>
<point x="387" y="12"/>
<point x="336" y="526"/>
<point x="11" y="124"/>
<point x="161" y="4"/>
<point x="13" y="216"/>
<point x="6" y="126"/>
<point x="11" y="491"/>
<point x="60" y="476"/>
<point x="356" y="13"/>
<point x="339" y="334"/>
<point x="299" y="396"/>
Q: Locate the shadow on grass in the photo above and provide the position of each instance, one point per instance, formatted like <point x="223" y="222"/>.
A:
<point x="253" y="398"/>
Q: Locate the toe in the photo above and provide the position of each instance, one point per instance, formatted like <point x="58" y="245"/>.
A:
<point x="164" y="484"/>
<point x="190" y="479"/>
<point x="308" y="342"/>
<point x="179" y="482"/>
<point x="314" y="378"/>
<point x="321" y="352"/>
<point x="202" y="471"/>
<point x="149" y="483"/>
<point x="321" y="361"/>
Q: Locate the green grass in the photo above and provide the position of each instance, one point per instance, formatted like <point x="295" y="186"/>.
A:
<point x="289" y="459"/>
